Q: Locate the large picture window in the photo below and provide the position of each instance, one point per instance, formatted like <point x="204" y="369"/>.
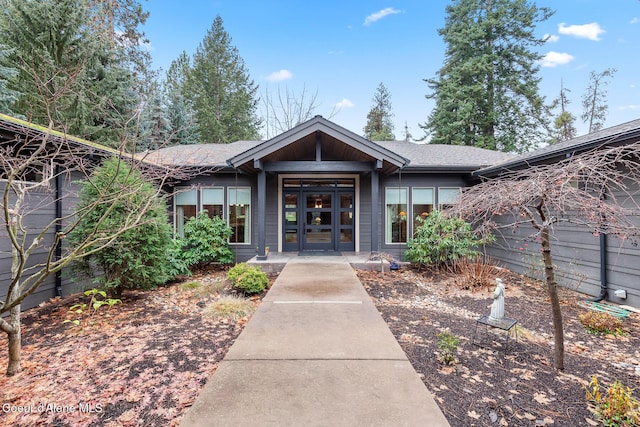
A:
<point x="422" y="204"/>
<point x="396" y="214"/>
<point x="239" y="199"/>
<point x="186" y="207"/>
<point x="447" y="197"/>
<point x="213" y="202"/>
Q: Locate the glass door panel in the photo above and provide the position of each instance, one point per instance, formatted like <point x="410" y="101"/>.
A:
<point x="318" y="225"/>
<point x="291" y="221"/>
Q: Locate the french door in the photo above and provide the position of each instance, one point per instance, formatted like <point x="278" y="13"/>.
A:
<point x="318" y="219"/>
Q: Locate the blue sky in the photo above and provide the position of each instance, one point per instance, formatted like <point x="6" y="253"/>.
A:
<point x="344" y="49"/>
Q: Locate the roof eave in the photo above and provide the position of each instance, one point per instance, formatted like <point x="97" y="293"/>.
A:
<point x="574" y="149"/>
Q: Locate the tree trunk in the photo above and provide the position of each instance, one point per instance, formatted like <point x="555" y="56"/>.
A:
<point x="15" y="341"/>
<point x="552" y="290"/>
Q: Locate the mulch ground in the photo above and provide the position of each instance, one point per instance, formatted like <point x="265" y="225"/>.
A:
<point x="492" y="384"/>
<point x="143" y="362"/>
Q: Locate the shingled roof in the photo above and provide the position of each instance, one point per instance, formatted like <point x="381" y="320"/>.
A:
<point x="422" y="156"/>
<point x="439" y="156"/>
<point x="619" y="134"/>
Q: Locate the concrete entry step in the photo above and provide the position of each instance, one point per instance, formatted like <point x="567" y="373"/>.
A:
<point x="316" y="353"/>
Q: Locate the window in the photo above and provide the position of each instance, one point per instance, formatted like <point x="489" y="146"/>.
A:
<point x="186" y="207"/>
<point x="396" y="215"/>
<point x="422" y="204"/>
<point x="240" y="214"/>
<point x="447" y="197"/>
<point x="213" y="202"/>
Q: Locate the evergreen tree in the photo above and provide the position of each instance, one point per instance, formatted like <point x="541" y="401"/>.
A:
<point x="137" y="258"/>
<point x="222" y="93"/>
<point x="486" y="93"/>
<point x="155" y="126"/>
<point x="7" y="74"/>
<point x="564" y="122"/>
<point x="69" y="69"/>
<point x="379" y="125"/>
<point x="594" y="100"/>
<point x="407" y="133"/>
<point x="180" y="114"/>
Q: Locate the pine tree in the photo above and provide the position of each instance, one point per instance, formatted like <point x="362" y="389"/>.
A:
<point x="407" y="133"/>
<point x="564" y="122"/>
<point x="486" y="93"/>
<point x="594" y="100"/>
<point x="222" y="93"/>
<point x="155" y="126"/>
<point x="7" y="74"/>
<point x="379" y="125"/>
<point x="69" y="70"/>
<point x="180" y="114"/>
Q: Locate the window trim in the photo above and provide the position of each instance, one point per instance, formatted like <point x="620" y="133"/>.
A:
<point x="386" y="216"/>
<point x="414" y="214"/>
<point x="178" y="190"/>
<point x="227" y="212"/>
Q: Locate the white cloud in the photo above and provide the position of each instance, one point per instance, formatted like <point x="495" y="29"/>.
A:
<point x="635" y="20"/>
<point x="629" y="107"/>
<point x="590" y="31"/>
<point x="345" y="103"/>
<point x="550" y="38"/>
<point x="553" y="59"/>
<point x="376" y="16"/>
<point x="279" y="76"/>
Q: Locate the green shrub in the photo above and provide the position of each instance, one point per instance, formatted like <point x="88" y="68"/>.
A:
<point x="615" y="407"/>
<point x="120" y="205"/>
<point x="441" y="240"/>
<point x="176" y="264"/>
<point x="205" y="240"/>
<point x="248" y="280"/>
<point x="236" y="271"/>
<point x="447" y="347"/>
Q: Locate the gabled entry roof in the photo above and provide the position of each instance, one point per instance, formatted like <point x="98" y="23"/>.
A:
<point x="314" y="143"/>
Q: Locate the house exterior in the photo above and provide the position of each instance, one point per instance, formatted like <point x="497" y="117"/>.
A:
<point x="320" y="188"/>
<point x="602" y="266"/>
<point x="44" y="205"/>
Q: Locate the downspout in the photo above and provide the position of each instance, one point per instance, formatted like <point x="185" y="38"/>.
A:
<point x="603" y="262"/>
<point x="58" y="228"/>
<point x="603" y="268"/>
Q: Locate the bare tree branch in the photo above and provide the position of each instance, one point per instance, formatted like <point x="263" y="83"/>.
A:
<point x="597" y="190"/>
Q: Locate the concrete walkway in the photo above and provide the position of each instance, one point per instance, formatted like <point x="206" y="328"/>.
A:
<point x="315" y="353"/>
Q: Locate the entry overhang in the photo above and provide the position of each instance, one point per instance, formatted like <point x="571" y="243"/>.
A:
<point x="318" y="145"/>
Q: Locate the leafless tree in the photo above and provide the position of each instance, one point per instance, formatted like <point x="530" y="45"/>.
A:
<point x="284" y="111"/>
<point x="596" y="190"/>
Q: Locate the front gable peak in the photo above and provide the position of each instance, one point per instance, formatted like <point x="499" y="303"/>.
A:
<point x="318" y="145"/>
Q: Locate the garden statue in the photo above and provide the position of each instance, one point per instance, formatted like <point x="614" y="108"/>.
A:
<point x="497" y="307"/>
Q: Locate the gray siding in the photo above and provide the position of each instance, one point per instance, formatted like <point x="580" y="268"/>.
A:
<point x="576" y="256"/>
<point x="365" y="214"/>
<point x="43" y="206"/>
<point x="271" y="219"/>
